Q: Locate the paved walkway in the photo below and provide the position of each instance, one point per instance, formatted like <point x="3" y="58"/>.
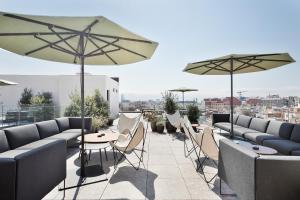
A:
<point x="167" y="174"/>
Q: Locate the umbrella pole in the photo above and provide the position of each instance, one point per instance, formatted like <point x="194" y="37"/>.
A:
<point x="231" y="99"/>
<point x="82" y="150"/>
<point x="182" y="100"/>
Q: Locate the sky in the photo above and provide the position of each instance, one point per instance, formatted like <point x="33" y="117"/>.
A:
<point x="187" y="31"/>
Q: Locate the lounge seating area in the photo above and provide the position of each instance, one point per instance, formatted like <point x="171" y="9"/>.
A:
<point x="36" y="152"/>
<point x="282" y="136"/>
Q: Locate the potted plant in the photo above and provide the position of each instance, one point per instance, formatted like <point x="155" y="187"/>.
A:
<point x="160" y="126"/>
<point x="193" y="113"/>
<point x="152" y="118"/>
<point x="170" y="107"/>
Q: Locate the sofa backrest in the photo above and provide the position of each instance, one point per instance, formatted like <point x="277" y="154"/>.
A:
<point x="235" y="118"/>
<point x="75" y="123"/>
<point x="243" y="121"/>
<point x="47" y="128"/>
<point x="4" y="146"/>
<point x="21" y="135"/>
<point x="259" y="124"/>
<point x="277" y="177"/>
<point x="295" y="135"/>
<point x="63" y="123"/>
<point x="280" y="129"/>
<point x="236" y="167"/>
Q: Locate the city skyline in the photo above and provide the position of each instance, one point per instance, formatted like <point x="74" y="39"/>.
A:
<point x="186" y="32"/>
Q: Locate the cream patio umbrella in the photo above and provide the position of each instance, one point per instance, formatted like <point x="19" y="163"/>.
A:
<point x="238" y="64"/>
<point x="6" y="83"/>
<point x="183" y="90"/>
<point x="75" y="40"/>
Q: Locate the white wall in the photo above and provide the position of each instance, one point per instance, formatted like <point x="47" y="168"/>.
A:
<point x="61" y="87"/>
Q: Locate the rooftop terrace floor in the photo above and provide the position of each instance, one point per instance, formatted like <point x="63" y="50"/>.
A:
<point x="167" y="174"/>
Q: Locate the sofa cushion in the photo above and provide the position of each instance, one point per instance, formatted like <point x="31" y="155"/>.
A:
<point x="47" y="128"/>
<point x="243" y="121"/>
<point x="259" y="124"/>
<point x="4" y="146"/>
<point x="280" y="129"/>
<point x="240" y="131"/>
<point x="259" y="137"/>
<point x="63" y="123"/>
<point x="295" y="135"/>
<point x="21" y="135"/>
<point x="75" y="123"/>
<point x="223" y="125"/>
<point x="282" y="146"/>
<point x="68" y="137"/>
<point x="235" y="118"/>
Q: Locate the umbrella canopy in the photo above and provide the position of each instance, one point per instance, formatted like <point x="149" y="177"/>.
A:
<point x="238" y="64"/>
<point x="183" y="90"/>
<point x="5" y="83"/>
<point x="58" y="39"/>
<point x="78" y="40"/>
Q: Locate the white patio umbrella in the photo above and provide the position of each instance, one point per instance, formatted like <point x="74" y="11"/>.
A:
<point x="183" y="90"/>
<point x="6" y="83"/>
<point x="238" y="64"/>
<point x="76" y="40"/>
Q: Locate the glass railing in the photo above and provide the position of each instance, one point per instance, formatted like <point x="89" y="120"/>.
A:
<point x="14" y="116"/>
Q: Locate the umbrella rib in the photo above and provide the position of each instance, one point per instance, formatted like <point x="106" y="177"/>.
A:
<point x="34" y="33"/>
<point x="52" y="45"/>
<point x="115" y="45"/>
<point x="48" y="45"/>
<point x="250" y="64"/>
<point x="211" y="62"/>
<point x="103" y="52"/>
<point x="121" y="38"/>
<point x="65" y="41"/>
<point x="39" y="22"/>
<point x="271" y="60"/>
<point x="90" y="53"/>
<point x="242" y="65"/>
<point x="214" y="68"/>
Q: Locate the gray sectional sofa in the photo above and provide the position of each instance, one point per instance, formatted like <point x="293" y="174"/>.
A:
<point x="33" y="157"/>
<point x="258" y="177"/>
<point x="282" y="136"/>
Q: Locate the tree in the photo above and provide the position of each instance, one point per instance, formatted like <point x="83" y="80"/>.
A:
<point x="94" y="106"/>
<point x="26" y="97"/>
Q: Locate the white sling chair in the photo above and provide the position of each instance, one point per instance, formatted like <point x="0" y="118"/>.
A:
<point x="126" y="145"/>
<point x="175" y="119"/>
<point x="207" y="144"/>
<point x="127" y="124"/>
<point x="191" y="134"/>
<point x="210" y="150"/>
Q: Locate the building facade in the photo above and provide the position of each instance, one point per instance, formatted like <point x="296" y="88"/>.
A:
<point x="61" y="86"/>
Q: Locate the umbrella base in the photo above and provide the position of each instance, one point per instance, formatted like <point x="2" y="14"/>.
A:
<point x="90" y="171"/>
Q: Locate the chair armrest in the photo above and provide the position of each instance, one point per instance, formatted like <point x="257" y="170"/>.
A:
<point x="218" y="117"/>
<point x="7" y="178"/>
<point x="277" y="177"/>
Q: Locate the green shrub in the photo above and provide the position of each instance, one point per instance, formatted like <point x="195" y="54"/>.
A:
<point x="193" y="113"/>
<point x="169" y="101"/>
<point x="26" y="96"/>
<point x="94" y="106"/>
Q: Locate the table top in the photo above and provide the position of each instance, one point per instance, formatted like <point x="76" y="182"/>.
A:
<point x="262" y="150"/>
<point x="102" y="136"/>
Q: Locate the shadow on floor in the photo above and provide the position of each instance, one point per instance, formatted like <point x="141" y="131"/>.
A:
<point x="142" y="179"/>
